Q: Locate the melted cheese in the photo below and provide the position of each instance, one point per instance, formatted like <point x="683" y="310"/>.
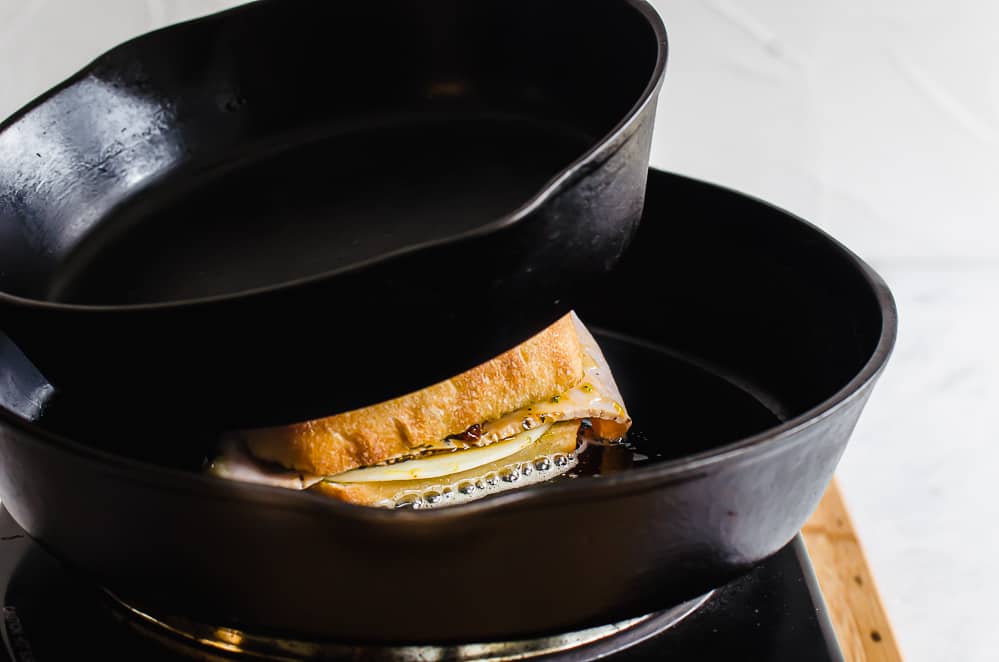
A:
<point x="552" y="455"/>
<point x="442" y="464"/>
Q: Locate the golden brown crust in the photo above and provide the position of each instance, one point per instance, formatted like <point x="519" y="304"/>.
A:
<point x="543" y="366"/>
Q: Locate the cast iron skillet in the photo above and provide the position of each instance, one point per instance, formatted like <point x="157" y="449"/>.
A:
<point x="745" y="341"/>
<point x="423" y="182"/>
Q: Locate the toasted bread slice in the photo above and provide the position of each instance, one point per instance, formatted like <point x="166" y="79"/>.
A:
<point x="558" y="374"/>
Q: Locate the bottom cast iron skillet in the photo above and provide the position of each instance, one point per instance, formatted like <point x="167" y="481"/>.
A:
<point x="745" y="341"/>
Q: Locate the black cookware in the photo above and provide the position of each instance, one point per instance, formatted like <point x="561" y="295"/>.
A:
<point x="288" y="195"/>
<point x="745" y="341"/>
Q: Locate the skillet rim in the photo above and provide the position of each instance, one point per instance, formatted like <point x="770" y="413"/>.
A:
<point x="772" y="440"/>
<point x="600" y="151"/>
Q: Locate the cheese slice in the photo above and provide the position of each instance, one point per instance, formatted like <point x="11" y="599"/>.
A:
<point x="532" y="457"/>
<point x="444" y="463"/>
<point x="553" y="454"/>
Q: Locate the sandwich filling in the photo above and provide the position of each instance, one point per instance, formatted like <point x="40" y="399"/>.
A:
<point x="553" y="453"/>
<point x="530" y="444"/>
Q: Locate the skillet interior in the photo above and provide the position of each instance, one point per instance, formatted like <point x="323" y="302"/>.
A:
<point x="283" y="119"/>
<point x="749" y="291"/>
<point x="279" y="219"/>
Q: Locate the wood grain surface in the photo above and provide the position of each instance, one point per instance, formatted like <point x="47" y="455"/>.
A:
<point x="855" y="607"/>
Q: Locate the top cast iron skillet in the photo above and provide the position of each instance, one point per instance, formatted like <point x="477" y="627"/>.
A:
<point x="424" y="183"/>
<point x="745" y="341"/>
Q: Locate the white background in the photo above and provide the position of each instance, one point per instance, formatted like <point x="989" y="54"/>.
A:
<point x="879" y="121"/>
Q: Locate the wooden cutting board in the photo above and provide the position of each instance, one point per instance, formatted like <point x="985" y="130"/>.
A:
<point x="855" y="607"/>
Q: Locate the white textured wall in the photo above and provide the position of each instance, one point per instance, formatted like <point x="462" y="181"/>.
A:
<point x="879" y="121"/>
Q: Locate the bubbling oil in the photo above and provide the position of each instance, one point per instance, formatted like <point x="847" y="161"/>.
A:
<point x="510" y="476"/>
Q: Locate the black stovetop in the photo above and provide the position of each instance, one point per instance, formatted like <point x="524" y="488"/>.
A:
<point x="774" y="613"/>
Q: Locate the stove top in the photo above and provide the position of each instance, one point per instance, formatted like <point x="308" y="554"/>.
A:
<point x="774" y="613"/>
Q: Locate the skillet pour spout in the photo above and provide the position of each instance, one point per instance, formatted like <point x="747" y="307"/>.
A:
<point x="290" y="209"/>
